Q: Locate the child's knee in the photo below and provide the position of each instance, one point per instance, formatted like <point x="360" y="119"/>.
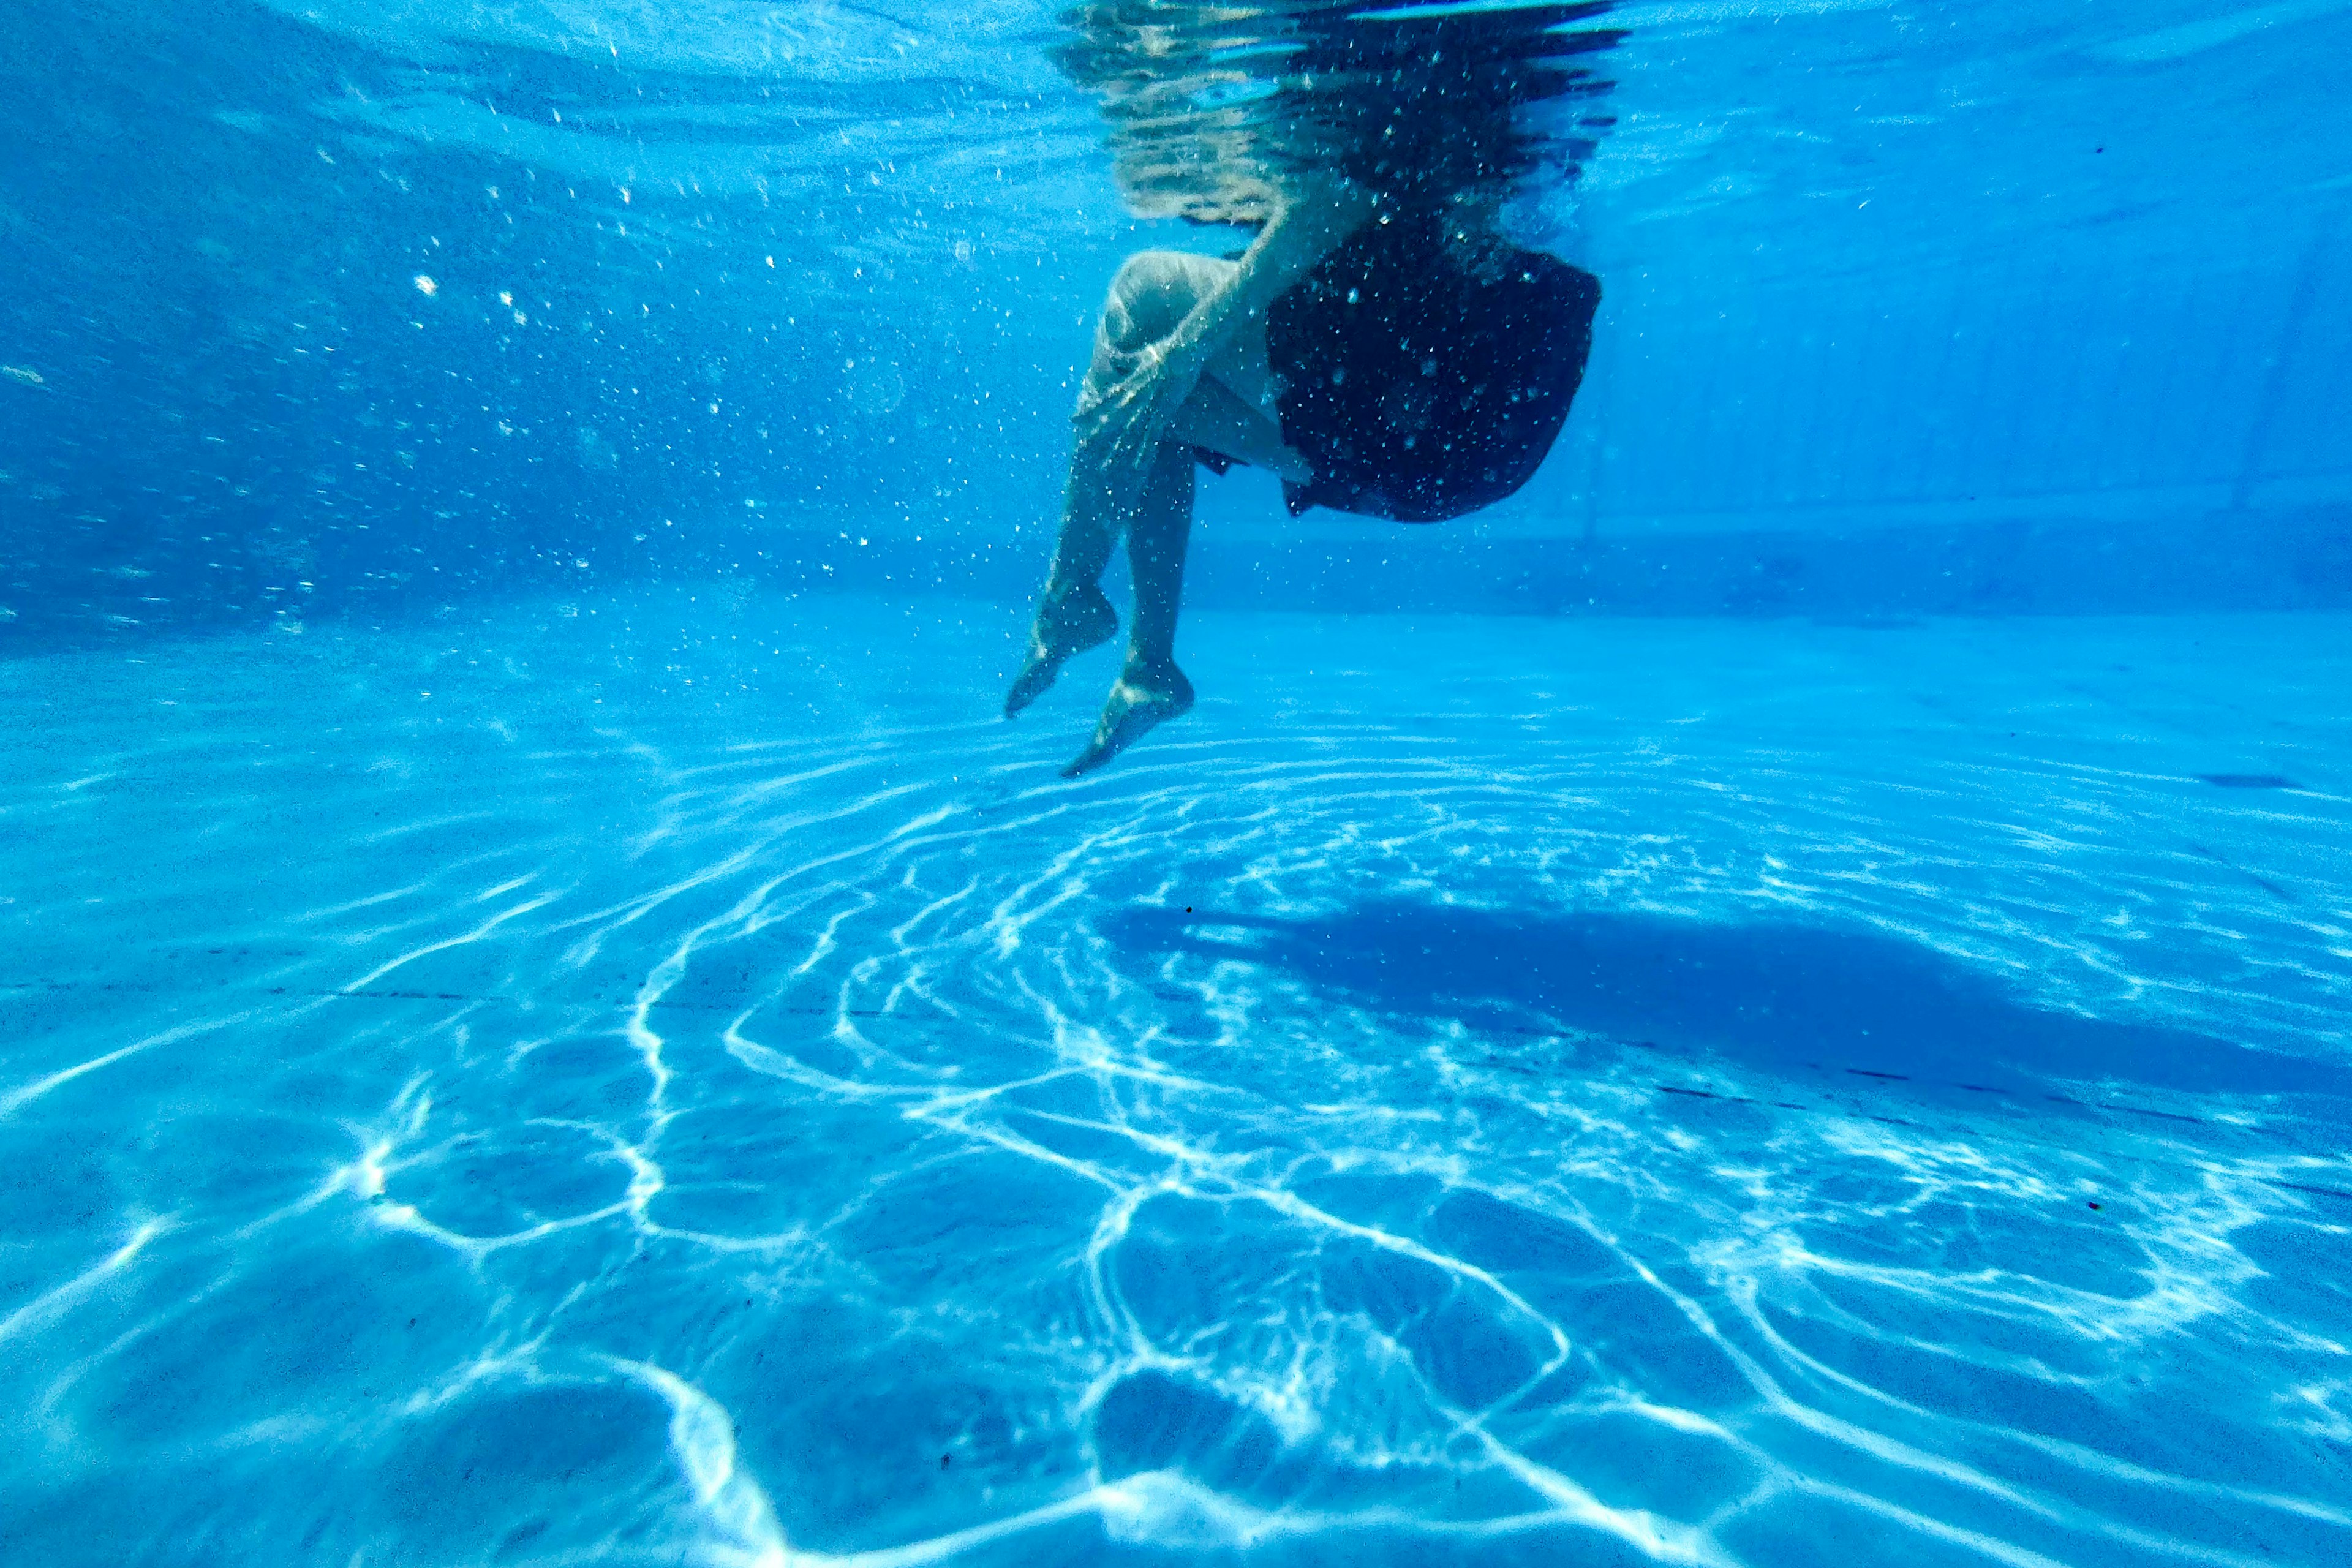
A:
<point x="1150" y="270"/>
<point x="1153" y="294"/>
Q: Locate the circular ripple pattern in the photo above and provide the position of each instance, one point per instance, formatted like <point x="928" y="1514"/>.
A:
<point x="670" y="1081"/>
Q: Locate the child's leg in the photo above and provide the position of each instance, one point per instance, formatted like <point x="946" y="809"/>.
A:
<point x="1157" y="537"/>
<point x="1216" y="419"/>
<point x="1150" y="298"/>
<point x="1150" y="690"/>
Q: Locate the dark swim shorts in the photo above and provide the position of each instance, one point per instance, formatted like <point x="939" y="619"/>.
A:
<point x="1423" y="376"/>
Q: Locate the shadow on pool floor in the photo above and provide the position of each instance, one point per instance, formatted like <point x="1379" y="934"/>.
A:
<point x="1772" y="994"/>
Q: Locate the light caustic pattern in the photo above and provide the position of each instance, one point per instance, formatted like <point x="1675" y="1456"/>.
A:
<point x="680" y="1082"/>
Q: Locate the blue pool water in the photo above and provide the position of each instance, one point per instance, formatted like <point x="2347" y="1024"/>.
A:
<point x="659" y="1078"/>
<point x="1784" y="997"/>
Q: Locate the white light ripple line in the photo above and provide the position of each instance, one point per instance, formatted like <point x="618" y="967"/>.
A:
<point x="702" y="1437"/>
<point x="15" y="1099"/>
<point x="42" y="1307"/>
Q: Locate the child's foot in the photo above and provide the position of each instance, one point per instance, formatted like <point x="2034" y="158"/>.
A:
<point x="1066" y="626"/>
<point x="1144" y="697"/>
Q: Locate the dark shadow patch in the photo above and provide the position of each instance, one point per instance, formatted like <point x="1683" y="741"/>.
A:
<point x="1778" y="997"/>
<point x="2248" y="780"/>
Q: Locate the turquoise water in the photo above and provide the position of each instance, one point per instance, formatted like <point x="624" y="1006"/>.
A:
<point x="1785" y="996"/>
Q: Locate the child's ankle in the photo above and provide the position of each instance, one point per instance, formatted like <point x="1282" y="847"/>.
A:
<point x="1081" y="596"/>
<point x="1153" y="672"/>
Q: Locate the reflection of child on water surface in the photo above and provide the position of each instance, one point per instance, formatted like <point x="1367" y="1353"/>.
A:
<point x="1398" y="360"/>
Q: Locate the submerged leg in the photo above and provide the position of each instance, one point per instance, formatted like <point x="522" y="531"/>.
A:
<point x="1073" y="614"/>
<point x="1150" y="690"/>
<point x="1150" y="298"/>
<point x="1217" y="419"/>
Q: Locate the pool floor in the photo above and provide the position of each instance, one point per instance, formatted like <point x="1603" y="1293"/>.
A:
<point x="676" y="1079"/>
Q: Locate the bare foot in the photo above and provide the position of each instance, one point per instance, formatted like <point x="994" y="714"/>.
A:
<point x="1065" y="627"/>
<point x="1143" y="698"/>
